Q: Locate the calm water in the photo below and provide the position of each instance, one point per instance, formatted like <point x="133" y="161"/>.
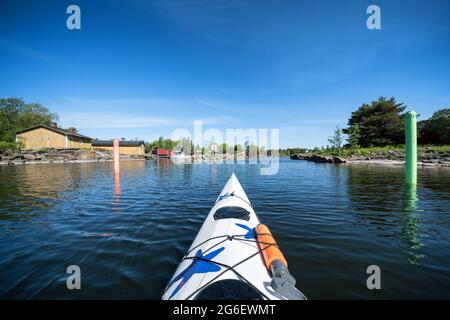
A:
<point x="331" y="222"/>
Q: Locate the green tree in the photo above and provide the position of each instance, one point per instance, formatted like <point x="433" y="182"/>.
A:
<point x="336" y="140"/>
<point x="251" y="150"/>
<point x="168" y="144"/>
<point x="292" y="151"/>
<point x="354" y="135"/>
<point x="161" y="143"/>
<point x="436" y="130"/>
<point x="148" y="147"/>
<point x="262" y="151"/>
<point x="381" y="122"/>
<point x="223" y="148"/>
<point x="185" y="145"/>
<point x="238" y="148"/>
<point x="16" y="114"/>
<point x="441" y="125"/>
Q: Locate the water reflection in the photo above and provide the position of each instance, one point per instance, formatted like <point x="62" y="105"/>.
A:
<point x="375" y="188"/>
<point x="29" y="191"/>
<point x="129" y="171"/>
<point x="410" y="197"/>
<point x="163" y="163"/>
<point x="46" y="181"/>
<point x="213" y="173"/>
<point x="387" y="206"/>
<point x="412" y="223"/>
<point x="437" y="179"/>
<point x="116" y="200"/>
<point x="322" y="215"/>
<point x="133" y="167"/>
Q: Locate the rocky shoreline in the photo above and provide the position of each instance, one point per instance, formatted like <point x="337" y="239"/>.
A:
<point x="318" y="158"/>
<point x="427" y="158"/>
<point x="392" y="158"/>
<point x="60" y="156"/>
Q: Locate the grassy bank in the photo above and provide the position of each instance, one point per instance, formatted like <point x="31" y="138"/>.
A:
<point x="387" y="152"/>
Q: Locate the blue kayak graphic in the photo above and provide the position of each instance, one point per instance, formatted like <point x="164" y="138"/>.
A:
<point x="196" y="267"/>
<point x="250" y="231"/>
<point x="226" y="195"/>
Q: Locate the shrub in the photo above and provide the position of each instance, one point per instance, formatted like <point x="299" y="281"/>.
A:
<point x="6" y="146"/>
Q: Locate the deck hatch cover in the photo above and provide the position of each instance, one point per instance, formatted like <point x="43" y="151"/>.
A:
<point x="232" y="212"/>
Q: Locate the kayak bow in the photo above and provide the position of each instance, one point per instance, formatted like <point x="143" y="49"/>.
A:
<point x="233" y="256"/>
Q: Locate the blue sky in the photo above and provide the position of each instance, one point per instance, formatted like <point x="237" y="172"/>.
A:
<point x="140" y="69"/>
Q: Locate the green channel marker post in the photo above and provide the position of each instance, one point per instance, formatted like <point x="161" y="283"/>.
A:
<point x="411" y="148"/>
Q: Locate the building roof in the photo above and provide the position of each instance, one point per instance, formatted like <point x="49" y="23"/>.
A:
<point x="58" y="130"/>
<point x="109" y="143"/>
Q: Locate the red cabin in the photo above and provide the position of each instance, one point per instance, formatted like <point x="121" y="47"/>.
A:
<point x="161" y="153"/>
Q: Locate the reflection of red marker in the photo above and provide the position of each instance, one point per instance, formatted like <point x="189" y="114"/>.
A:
<point x="104" y="234"/>
<point x="116" y="171"/>
<point x="116" y="155"/>
<point x="117" y="184"/>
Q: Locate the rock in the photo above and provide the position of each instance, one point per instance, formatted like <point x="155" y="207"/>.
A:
<point x="17" y="161"/>
<point x="66" y="156"/>
<point x="84" y="156"/>
<point x="317" y="158"/>
<point x="338" y="160"/>
<point x="16" y="156"/>
<point x="29" y="156"/>
<point x="424" y="164"/>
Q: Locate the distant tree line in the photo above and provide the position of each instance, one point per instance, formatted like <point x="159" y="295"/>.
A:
<point x="378" y="123"/>
<point x="381" y="123"/>
<point x="160" y="143"/>
<point x="186" y="146"/>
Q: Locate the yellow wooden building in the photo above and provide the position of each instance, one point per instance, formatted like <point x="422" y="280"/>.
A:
<point x="125" y="147"/>
<point x="43" y="136"/>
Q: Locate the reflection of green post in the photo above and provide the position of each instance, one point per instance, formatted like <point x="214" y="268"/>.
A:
<point x="410" y="197"/>
<point x="412" y="231"/>
<point x="411" y="148"/>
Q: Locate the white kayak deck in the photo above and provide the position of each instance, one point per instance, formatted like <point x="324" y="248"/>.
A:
<point x="240" y="251"/>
